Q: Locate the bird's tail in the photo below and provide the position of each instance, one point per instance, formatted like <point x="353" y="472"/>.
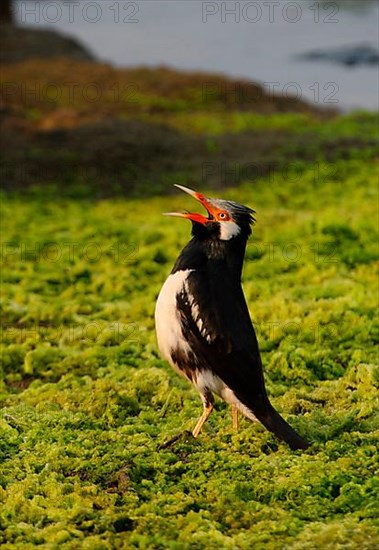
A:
<point x="272" y="420"/>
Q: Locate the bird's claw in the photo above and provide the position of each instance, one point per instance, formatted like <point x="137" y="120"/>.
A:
<point x="186" y="434"/>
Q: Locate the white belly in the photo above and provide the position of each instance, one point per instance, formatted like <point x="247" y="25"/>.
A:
<point x="167" y="322"/>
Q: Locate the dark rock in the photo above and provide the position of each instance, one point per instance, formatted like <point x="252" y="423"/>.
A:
<point x="20" y="43"/>
<point x="361" y="54"/>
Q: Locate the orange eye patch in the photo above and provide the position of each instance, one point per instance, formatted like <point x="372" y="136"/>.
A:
<point x="223" y="216"/>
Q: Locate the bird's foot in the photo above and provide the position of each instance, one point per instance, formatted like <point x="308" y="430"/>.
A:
<point x="184" y="435"/>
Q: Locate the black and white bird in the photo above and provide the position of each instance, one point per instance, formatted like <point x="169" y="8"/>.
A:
<point x="203" y="324"/>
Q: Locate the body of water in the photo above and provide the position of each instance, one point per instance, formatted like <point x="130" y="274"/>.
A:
<point x="258" y="40"/>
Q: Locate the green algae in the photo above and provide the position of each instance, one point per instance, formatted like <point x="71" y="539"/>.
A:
<point x="87" y="401"/>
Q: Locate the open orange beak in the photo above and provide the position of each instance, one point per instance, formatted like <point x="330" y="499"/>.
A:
<point x="193" y="216"/>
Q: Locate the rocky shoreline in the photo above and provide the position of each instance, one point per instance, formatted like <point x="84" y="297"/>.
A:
<point x="71" y="121"/>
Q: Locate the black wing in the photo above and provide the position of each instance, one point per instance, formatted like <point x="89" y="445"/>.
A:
<point x="216" y="323"/>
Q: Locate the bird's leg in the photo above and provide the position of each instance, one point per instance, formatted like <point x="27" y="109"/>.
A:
<point x="208" y="402"/>
<point x="207" y="411"/>
<point x="235" y="417"/>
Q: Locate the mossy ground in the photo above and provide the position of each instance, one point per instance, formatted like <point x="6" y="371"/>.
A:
<point x="87" y="401"/>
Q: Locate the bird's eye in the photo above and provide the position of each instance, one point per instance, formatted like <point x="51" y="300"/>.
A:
<point x="222" y="216"/>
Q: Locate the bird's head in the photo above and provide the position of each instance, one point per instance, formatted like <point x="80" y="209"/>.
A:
<point x="226" y="219"/>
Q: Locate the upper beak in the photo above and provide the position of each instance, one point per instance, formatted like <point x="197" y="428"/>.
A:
<point x="194" y="194"/>
<point x="188" y="215"/>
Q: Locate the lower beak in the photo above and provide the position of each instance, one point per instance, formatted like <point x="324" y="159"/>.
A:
<point x="193" y="216"/>
<point x="176" y="214"/>
<point x="199" y="218"/>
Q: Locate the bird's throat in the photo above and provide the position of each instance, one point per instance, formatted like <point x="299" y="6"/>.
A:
<point x="201" y="252"/>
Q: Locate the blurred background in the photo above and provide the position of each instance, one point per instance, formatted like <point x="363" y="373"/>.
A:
<point x="267" y="42"/>
<point x="162" y="81"/>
